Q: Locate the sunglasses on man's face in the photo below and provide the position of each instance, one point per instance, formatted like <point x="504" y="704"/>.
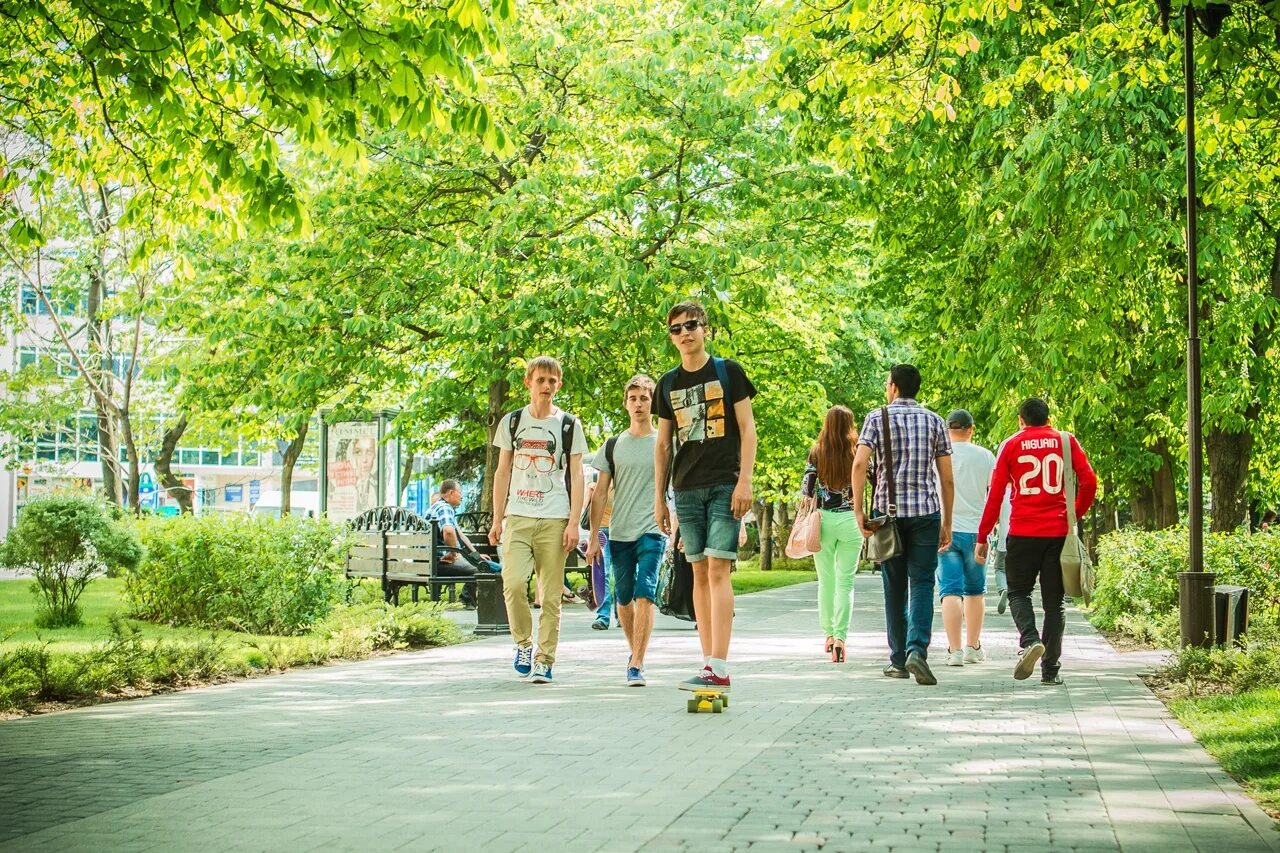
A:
<point x="687" y="326"/>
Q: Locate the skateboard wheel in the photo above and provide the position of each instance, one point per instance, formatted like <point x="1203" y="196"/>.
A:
<point x="717" y="706"/>
<point x="725" y="700"/>
<point x="692" y="705"/>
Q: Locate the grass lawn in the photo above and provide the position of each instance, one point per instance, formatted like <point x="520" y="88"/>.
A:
<point x="1243" y="733"/>
<point x="102" y="599"/>
<point x="749" y="578"/>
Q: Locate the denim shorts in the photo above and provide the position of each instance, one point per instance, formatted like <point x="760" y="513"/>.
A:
<point x="707" y="525"/>
<point x="635" y="567"/>
<point x="958" y="572"/>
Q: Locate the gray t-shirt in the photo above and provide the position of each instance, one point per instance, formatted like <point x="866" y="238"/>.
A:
<point x="537" y="465"/>
<point x="633" y="486"/>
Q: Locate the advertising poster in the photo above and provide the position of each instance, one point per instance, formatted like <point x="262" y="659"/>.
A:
<point x="352" y="485"/>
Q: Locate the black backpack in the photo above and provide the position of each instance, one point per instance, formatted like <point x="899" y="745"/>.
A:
<point x="567" y="423"/>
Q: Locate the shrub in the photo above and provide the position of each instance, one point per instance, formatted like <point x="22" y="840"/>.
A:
<point x="66" y="541"/>
<point x="1138" y="572"/>
<point x="1254" y="667"/>
<point x="238" y="571"/>
<point x="362" y="629"/>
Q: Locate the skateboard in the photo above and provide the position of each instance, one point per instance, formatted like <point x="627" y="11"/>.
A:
<point x="708" y="700"/>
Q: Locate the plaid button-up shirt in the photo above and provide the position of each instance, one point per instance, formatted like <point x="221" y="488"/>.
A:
<point x="919" y="437"/>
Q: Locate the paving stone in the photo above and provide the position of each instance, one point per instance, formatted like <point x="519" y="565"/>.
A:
<point x="447" y="750"/>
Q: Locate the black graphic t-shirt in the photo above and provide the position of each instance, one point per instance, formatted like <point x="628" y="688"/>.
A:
<point x="709" y="452"/>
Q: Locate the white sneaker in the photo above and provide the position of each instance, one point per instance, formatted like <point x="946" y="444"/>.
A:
<point x="974" y="654"/>
<point x="955" y="657"/>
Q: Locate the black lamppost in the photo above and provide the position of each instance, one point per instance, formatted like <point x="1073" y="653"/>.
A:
<point x="1195" y="586"/>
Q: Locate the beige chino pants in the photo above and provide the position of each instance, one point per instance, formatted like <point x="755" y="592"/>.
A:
<point x="529" y="546"/>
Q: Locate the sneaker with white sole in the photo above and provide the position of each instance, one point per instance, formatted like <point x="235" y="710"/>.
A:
<point x="541" y="673"/>
<point x="706" y="680"/>
<point x="974" y="654"/>
<point x="635" y="677"/>
<point x="1027" y="663"/>
<point x="1003" y="603"/>
<point x="524" y="661"/>
<point x="955" y="657"/>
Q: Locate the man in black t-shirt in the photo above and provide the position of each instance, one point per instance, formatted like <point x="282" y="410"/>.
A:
<point x="705" y="405"/>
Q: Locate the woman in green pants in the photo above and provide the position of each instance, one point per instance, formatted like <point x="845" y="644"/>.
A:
<point x="826" y="485"/>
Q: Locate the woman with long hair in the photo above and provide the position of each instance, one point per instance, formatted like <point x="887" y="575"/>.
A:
<point x="827" y="488"/>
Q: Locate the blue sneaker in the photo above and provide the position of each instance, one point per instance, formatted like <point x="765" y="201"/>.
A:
<point x="524" y="660"/>
<point x="635" y="677"/>
<point x="541" y="673"/>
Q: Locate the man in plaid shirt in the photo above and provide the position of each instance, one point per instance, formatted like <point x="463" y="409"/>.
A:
<point x="924" y="490"/>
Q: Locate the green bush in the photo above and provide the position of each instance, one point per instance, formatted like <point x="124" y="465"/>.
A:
<point x="362" y="629"/>
<point x="1254" y="667"/>
<point x="66" y="541"/>
<point x="1137" y="572"/>
<point x="238" y="571"/>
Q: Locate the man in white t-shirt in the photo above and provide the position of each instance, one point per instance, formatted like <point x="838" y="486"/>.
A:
<point x="962" y="580"/>
<point x="533" y="500"/>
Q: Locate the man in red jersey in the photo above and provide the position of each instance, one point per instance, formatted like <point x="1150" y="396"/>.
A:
<point x="1031" y="463"/>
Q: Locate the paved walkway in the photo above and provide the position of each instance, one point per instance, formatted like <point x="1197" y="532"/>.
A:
<point x="447" y="750"/>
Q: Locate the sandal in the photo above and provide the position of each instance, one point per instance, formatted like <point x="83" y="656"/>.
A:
<point x="569" y="598"/>
<point x="830" y="644"/>
<point x="837" y="651"/>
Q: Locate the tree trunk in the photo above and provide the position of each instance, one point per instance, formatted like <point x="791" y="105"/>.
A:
<point x="406" y="471"/>
<point x="1228" y="455"/>
<point x="135" y="464"/>
<point x="498" y="392"/>
<point x="98" y="360"/>
<point x="1165" y="491"/>
<point x="1142" y="508"/>
<point x="174" y="487"/>
<point x="766" y="537"/>
<point x="291" y="454"/>
<point x="1156" y="504"/>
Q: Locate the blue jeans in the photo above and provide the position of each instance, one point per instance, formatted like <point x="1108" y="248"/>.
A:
<point x="707" y="525"/>
<point x="910" y="576"/>
<point x="635" y="567"/>
<point x="959" y="573"/>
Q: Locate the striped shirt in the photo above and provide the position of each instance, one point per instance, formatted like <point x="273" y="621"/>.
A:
<point x="919" y="437"/>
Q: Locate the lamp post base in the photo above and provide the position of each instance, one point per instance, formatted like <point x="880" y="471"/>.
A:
<point x="1195" y="602"/>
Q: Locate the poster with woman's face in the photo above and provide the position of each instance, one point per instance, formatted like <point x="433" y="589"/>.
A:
<point x="352" y="480"/>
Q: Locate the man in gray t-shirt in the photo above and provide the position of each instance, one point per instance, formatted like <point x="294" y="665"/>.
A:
<point x="636" y="543"/>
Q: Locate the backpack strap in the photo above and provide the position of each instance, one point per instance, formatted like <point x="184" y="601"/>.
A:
<point x="567" y="424"/>
<point x="513" y="420"/>
<point x="608" y="455"/>
<point x="722" y="374"/>
<point x="665" y="384"/>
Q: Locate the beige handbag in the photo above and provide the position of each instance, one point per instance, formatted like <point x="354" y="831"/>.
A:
<point x="806" y="533"/>
<point x="1077" y="570"/>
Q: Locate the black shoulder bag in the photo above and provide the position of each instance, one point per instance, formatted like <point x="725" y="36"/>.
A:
<point x="884" y="543"/>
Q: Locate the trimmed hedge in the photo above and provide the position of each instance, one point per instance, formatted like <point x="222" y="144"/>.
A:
<point x="1137" y="572"/>
<point x="238" y="571"/>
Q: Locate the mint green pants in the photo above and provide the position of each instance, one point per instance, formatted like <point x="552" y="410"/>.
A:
<point x="836" y="563"/>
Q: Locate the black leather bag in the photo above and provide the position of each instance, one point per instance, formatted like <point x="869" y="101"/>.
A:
<point x="884" y="543"/>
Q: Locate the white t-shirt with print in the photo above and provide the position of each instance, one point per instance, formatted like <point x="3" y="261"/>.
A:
<point x="537" y="467"/>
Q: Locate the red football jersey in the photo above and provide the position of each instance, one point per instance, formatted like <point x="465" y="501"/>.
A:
<point x="1031" y="462"/>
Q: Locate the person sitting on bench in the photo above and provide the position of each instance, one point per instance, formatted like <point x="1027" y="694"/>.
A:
<point x="453" y="564"/>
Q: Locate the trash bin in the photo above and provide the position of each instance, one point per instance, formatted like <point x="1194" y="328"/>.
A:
<point x="491" y="606"/>
<point x="1230" y="614"/>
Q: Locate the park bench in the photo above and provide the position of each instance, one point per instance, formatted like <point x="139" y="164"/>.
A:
<point x="400" y="548"/>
